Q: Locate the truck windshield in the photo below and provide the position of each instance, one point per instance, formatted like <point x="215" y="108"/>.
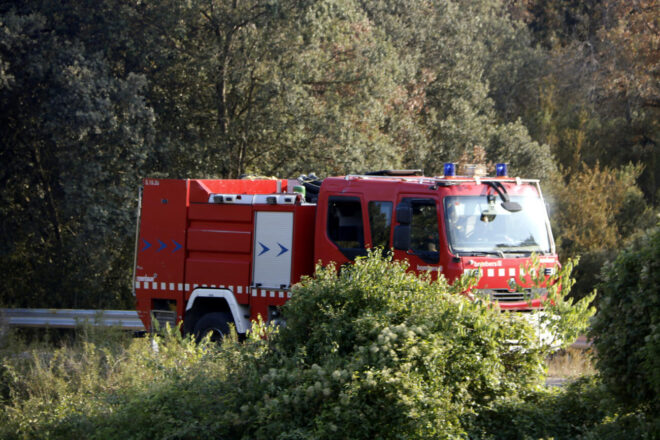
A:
<point x="479" y="225"/>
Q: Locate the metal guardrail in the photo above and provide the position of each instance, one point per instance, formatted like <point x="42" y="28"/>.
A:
<point x="70" y="318"/>
<point x="125" y="319"/>
<point x="582" y="343"/>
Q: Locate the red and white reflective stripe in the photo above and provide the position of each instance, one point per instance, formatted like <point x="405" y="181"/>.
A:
<point x="499" y="272"/>
<point x="234" y="289"/>
<point x="151" y="285"/>
<point x="264" y="293"/>
<point x="187" y="287"/>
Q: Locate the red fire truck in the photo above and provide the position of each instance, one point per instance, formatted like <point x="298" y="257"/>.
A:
<point x="212" y="253"/>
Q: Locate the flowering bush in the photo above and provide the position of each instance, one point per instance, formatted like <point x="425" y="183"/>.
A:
<point x="371" y="351"/>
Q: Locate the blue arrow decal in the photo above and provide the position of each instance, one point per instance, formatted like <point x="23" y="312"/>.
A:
<point x="177" y="246"/>
<point x="147" y="245"/>
<point x="264" y="249"/>
<point x="282" y="249"/>
<point x="162" y="246"/>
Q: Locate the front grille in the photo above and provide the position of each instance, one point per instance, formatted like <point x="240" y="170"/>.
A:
<point x="506" y="296"/>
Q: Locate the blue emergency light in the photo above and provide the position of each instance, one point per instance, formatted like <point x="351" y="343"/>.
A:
<point x="501" y="170"/>
<point x="450" y="169"/>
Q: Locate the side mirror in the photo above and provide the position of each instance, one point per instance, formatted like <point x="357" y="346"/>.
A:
<point x="404" y="213"/>
<point x="512" y="206"/>
<point x="401" y="237"/>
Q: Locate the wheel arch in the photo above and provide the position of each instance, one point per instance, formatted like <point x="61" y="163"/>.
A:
<point x="205" y="300"/>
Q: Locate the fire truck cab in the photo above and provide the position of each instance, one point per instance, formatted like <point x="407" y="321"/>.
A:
<point x="214" y="253"/>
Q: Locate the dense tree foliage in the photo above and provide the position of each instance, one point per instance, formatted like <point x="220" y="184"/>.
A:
<point x="96" y="94"/>
<point x="627" y="326"/>
<point x="73" y="142"/>
<point x="596" y="210"/>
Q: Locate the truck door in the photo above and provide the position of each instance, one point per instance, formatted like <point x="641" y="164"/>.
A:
<point x="416" y="234"/>
<point x="273" y="241"/>
<point x="340" y="229"/>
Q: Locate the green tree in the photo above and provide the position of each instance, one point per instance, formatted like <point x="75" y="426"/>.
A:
<point x="96" y="94"/>
<point x="72" y="145"/>
<point x="626" y="329"/>
<point x="268" y="88"/>
<point x="595" y="211"/>
<point x="455" y="50"/>
<point x="559" y="22"/>
<point x="596" y="94"/>
<point x="593" y="101"/>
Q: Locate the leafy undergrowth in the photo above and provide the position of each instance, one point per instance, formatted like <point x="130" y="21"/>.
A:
<point x="583" y="409"/>
<point x="370" y="352"/>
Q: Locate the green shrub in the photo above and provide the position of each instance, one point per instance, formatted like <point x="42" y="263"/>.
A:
<point x="370" y="352"/>
<point x="550" y="413"/>
<point x="378" y="352"/>
<point x="626" y="329"/>
<point x="583" y="410"/>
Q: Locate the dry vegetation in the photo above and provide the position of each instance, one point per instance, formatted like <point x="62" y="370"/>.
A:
<point x="569" y="365"/>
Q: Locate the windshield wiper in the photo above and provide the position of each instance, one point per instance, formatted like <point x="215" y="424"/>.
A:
<point x="480" y="253"/>
<point x="513" y="249"/>
<point x="518" y="251"/>
<point x="506" y="202"/>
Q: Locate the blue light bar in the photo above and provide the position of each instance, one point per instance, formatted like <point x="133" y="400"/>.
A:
<point x="450" y="169"/>
<point x="500" y="170"/>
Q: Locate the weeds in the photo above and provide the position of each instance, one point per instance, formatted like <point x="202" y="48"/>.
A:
<point x="571" y="363"/>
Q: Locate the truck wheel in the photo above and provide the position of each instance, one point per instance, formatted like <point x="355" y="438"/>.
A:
<point x="215" y="323"/>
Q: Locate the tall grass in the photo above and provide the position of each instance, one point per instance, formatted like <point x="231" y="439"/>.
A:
<point x="67" y="386"/>
<point x="571" y="363"/>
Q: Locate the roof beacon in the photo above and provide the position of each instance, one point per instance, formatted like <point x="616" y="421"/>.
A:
<point x="501" y="169"/>
<point x="450" y="169"/>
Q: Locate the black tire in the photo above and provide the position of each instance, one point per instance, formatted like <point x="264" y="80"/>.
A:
<point x="215" y="323"/>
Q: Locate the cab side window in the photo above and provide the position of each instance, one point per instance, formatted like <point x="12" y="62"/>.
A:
<point x="345" y="225"/>
<point x="380" y="221"/>
<point x="424" y="235"/>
